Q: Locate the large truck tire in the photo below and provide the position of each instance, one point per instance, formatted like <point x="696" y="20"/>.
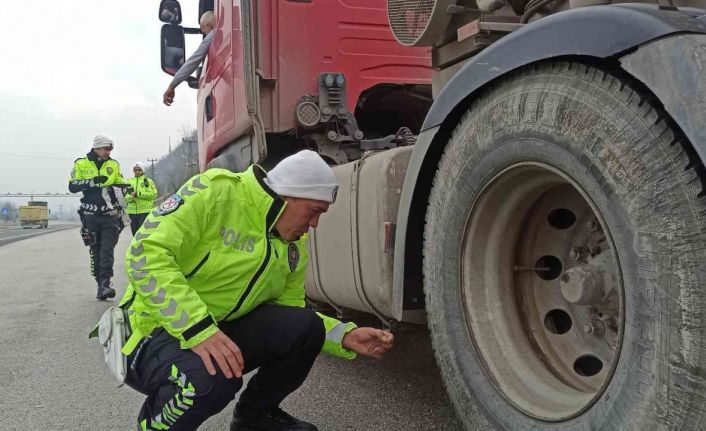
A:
<point x="564" y="256"/>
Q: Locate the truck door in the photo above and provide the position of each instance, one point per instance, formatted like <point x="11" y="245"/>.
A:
<point x="216" y="102"/>
<point x="228" y="101"/>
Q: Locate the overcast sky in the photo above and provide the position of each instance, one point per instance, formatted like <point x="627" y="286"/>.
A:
<point x="72" y="69"/>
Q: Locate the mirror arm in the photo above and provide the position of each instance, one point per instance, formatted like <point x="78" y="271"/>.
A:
<point x="190" y="30"/>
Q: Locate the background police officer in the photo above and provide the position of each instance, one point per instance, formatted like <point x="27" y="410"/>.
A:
<point x="217" y="290"/>
<point x="98" y="177"/>
<point x="140" y="197"/>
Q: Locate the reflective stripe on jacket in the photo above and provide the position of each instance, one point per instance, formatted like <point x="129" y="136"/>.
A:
<point x="97" y="199"/>
<point x="145" y="190"/>
<point x="209" y="254"/>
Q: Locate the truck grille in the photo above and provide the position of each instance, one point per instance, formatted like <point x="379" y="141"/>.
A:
<point x="409" y="19"/>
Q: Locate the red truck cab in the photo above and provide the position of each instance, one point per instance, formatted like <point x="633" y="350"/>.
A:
<point x="283" y="75"/>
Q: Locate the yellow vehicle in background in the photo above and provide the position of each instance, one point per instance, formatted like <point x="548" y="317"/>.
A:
<point x="35" y="213"/>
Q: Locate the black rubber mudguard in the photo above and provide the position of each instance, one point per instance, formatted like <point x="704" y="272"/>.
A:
<point x="672" y="68"/>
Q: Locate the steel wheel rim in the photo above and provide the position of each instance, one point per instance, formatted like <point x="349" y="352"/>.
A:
<point x="548" y="366"/>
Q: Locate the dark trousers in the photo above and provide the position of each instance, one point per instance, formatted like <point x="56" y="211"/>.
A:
<point x="136" y="221"/>
<point x="281" y="341"/>
<point x="107" y="230"/>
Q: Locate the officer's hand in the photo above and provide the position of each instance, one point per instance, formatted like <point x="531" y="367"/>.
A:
<point x="368" y="342"/>
<point x="98" y="180"/>
<point x="226" y="353"/>
<point x="168" y="97"/>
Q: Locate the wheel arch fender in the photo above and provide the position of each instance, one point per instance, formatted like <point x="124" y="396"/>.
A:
<point x="624" y="31"/>
<point x="672" y="69"/>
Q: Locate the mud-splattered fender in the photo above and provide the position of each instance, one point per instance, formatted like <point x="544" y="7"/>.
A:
<point x="663" y="49"/>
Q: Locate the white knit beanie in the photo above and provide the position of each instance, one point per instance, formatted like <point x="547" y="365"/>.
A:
<point x="139" y="164"/>
<point x="304" y="175"/>
<point x="102" y="141"/>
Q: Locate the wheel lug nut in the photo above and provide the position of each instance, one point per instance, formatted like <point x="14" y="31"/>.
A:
<point x="595" y="327"/>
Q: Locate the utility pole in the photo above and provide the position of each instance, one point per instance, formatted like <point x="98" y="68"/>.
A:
<point x="191" y="165"/>
<point x="154" y="174"/>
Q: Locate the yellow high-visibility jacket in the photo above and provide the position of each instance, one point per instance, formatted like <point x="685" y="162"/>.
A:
<point x="209" y="254"/>
<point x="145" y="191"/>
<point x="98" y="197"/>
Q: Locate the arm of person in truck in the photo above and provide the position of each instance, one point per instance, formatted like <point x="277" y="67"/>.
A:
<point x="188" y="68"/>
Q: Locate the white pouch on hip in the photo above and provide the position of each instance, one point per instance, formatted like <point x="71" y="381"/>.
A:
<point x="113" y="331"/>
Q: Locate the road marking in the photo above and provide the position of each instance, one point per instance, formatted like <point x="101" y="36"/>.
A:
<point x="36" y="233"/>
<point x="20" y="236"/>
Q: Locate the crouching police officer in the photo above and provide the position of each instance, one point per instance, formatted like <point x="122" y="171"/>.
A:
<point x="140" y="197"/>
<point x="217" y="290"/>
<point x="98" y="177"/>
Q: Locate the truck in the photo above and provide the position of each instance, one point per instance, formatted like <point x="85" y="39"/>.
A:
<point x="35" y="213"/>
<point x="525" y="177"/>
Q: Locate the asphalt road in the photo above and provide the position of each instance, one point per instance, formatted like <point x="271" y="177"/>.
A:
<point x="10" y="234"/>
<point x="53" y="378"/>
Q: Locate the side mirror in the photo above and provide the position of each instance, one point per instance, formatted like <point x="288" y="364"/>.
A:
<point x="170" y="12"/>
<point x="172" y="48"/>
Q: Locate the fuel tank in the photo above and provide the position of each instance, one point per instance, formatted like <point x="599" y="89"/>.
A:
<point x="351" y="250"/>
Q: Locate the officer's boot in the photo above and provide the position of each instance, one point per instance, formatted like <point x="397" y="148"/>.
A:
<point x="104" y="290"/>
<point x="269" y="420"/>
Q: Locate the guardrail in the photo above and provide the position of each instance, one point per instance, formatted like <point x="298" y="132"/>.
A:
<point x="39" y="195"/>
